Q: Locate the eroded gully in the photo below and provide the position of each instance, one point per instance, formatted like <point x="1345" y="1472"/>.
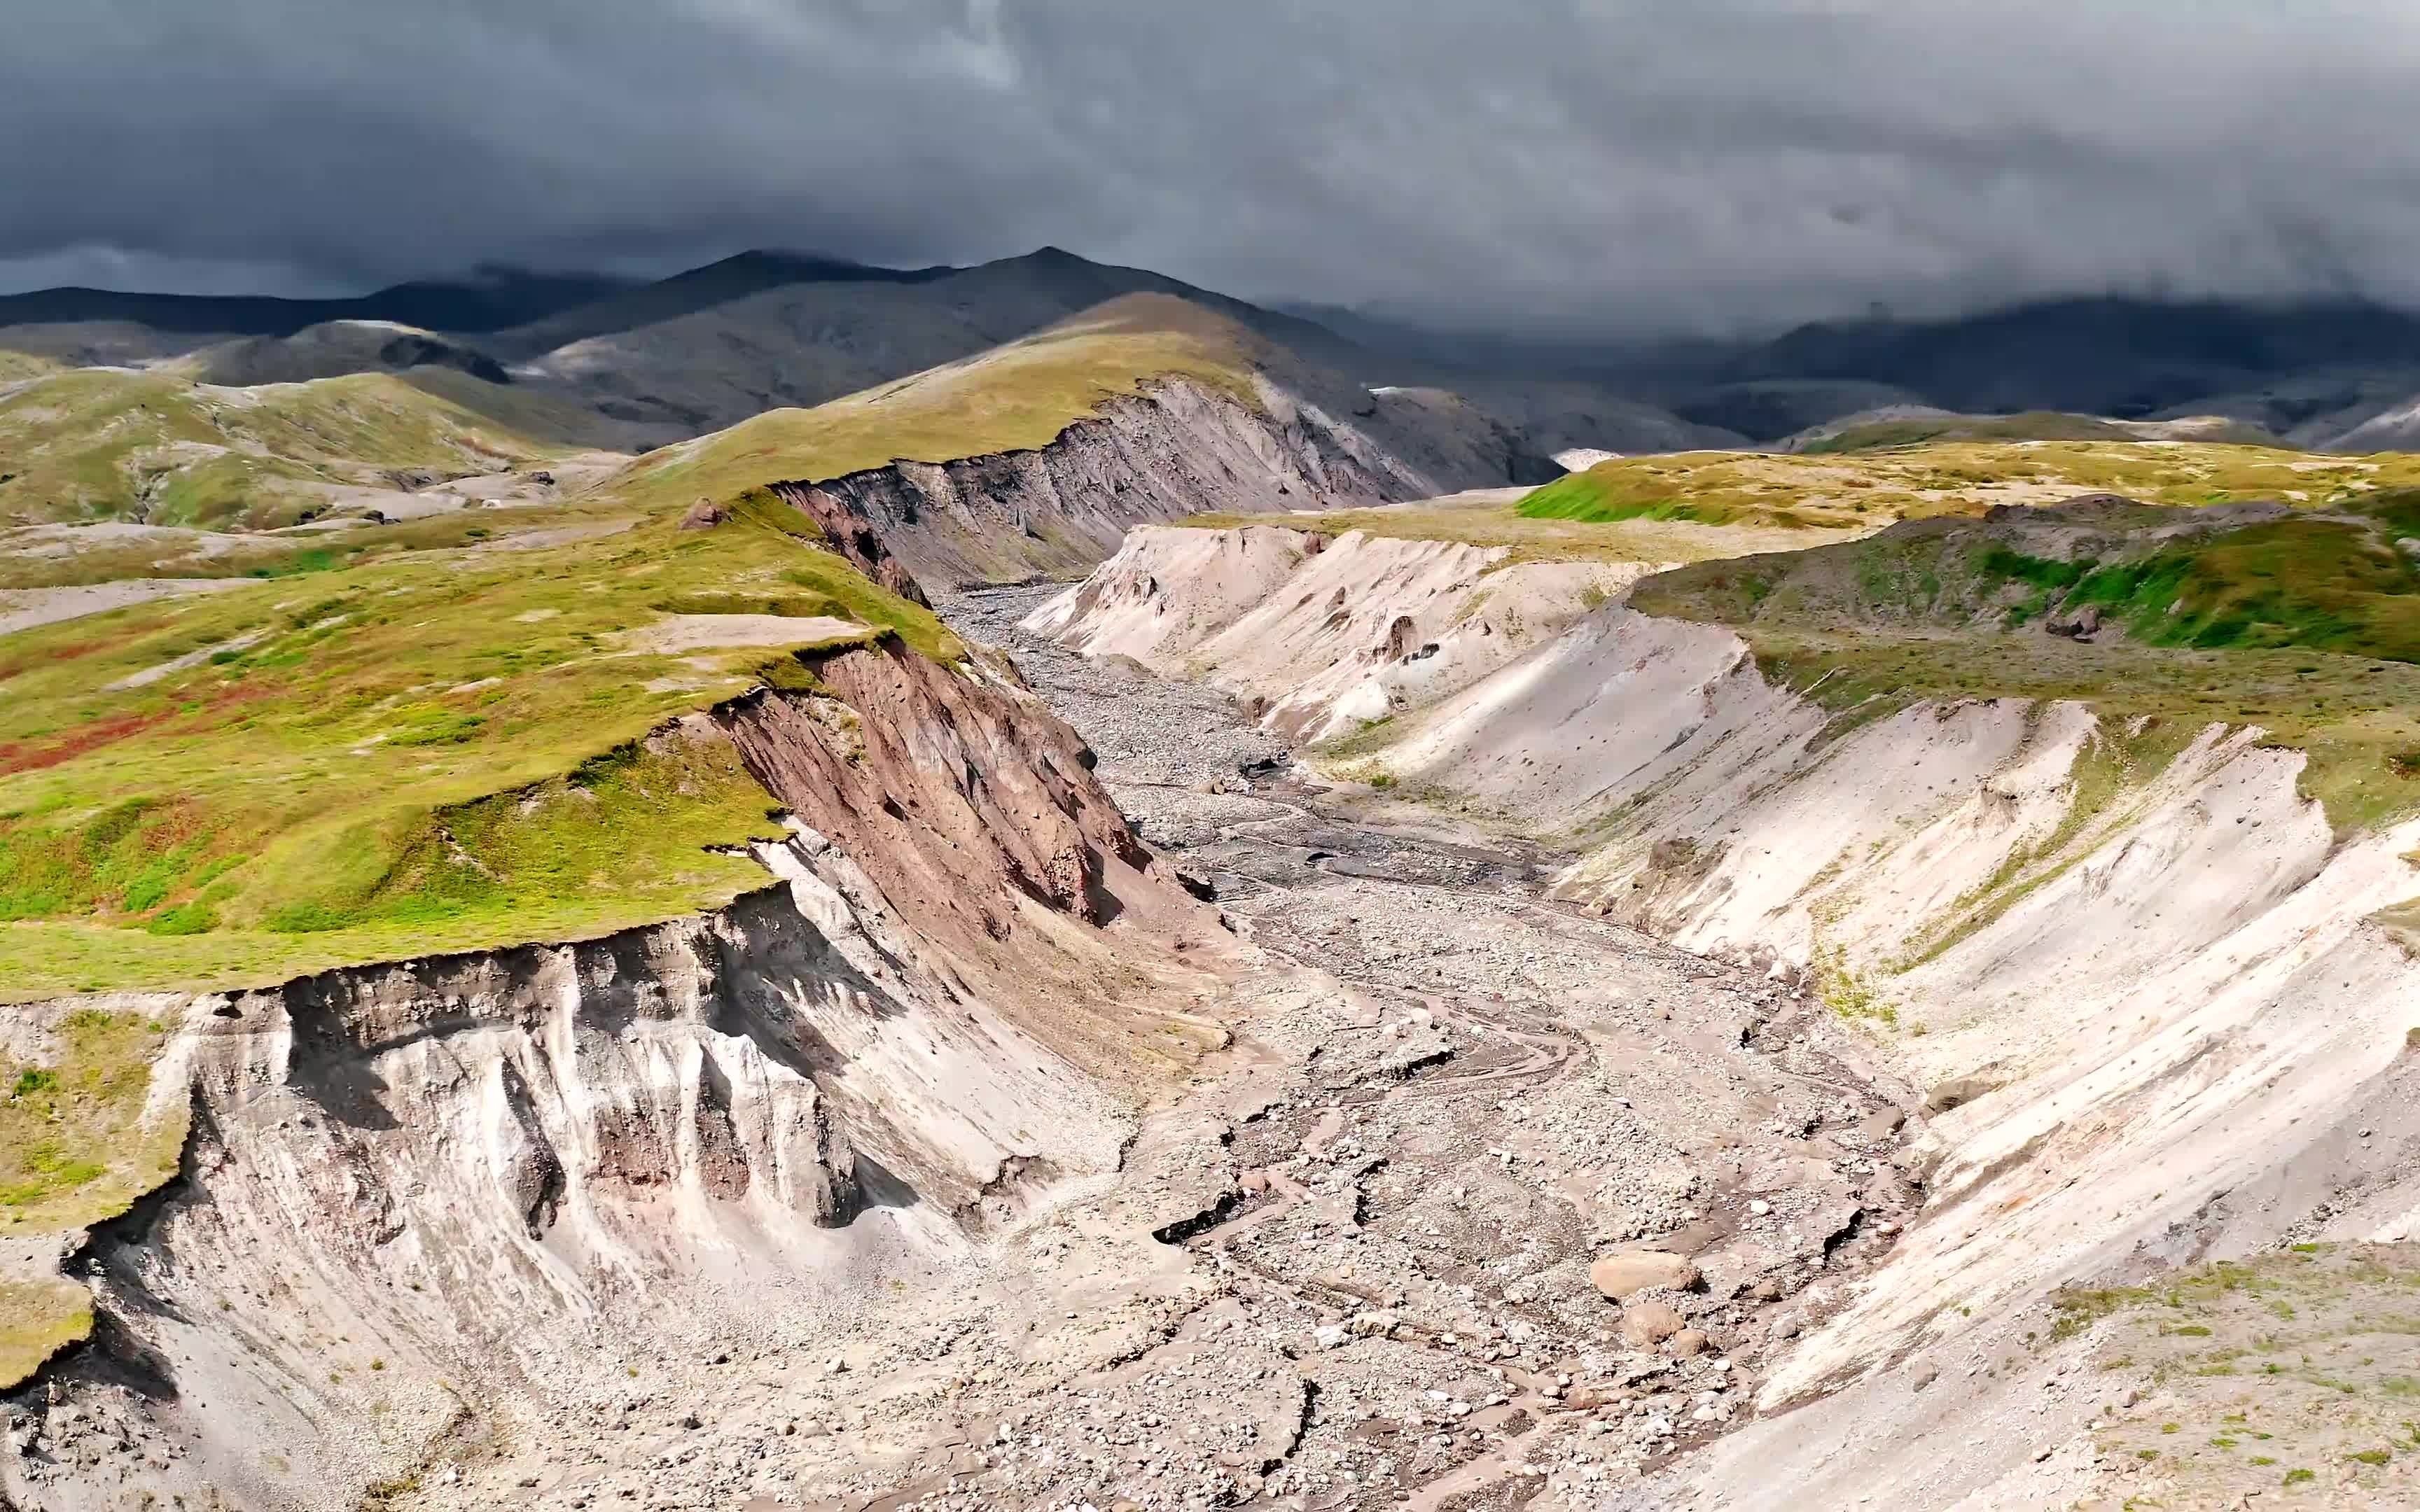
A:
<point x="1445" y="1096"/>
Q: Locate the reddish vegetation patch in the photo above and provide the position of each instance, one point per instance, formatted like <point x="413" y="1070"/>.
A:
<point x="69" y="652"/>
<point x="173" y="823"/>
<point x="231" y="694"/>
<point x="32" y="756"/>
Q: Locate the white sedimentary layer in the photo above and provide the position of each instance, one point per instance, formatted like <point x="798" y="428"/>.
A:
<point x="1323" y="636"/>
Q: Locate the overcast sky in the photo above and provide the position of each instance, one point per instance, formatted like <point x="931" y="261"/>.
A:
<point x="1535" y="165"/>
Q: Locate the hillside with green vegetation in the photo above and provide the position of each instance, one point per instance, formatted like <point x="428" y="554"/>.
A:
<point x="433" y="735"/>
<point x="1886" y="432"/>
<point x="1483" y="522"/>
<point x="57" y="556"/>
<point x="75" y="1149"/>
<point x="1702" y="506"/>
<point x="2179" y="582"/>
<point x="1016" y="396"/>
<point x="1869" y="488"/>
<point x="112" y="444"/>
<point x="457" y="731"/>
<point x="2031" y="425"/>
<point x="439" y="751"/>
<point x="1019" y="395"/>
<point x="2304" y="622"/>
<point x="18" y="367"/>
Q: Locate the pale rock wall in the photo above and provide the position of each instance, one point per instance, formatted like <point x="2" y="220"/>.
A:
<point x="1323" y="636"/>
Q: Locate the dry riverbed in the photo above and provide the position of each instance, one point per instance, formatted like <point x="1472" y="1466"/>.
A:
<point x="1358" y="1260"/>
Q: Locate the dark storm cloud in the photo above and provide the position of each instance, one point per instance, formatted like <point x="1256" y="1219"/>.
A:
<point x="1551" y="164"/>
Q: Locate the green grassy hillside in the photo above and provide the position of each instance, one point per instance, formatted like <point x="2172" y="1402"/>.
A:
<point x="1019" y="395"/>
<point x="103" y="443"/>
<point x="1873" y="488"/>
<point x="1480" y="522"/>
<point x="2306" y="624"/>
<point x="16" y="367"/>
<point x="433" y="735"/>
<point x="2032" y="426"/>
<point x="61" y="556"/>
<point x="437" y="751"/>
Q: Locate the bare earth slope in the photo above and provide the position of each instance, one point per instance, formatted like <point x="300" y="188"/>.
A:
<point x="491" y="1154"/>
<point x="1319" y="636"/>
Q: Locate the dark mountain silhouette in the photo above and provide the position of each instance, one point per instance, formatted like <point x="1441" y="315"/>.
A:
<point x="2121" y="357"/>
<point x="492" y="300"/>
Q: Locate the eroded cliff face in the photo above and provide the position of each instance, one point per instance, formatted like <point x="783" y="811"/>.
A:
<point x="950" y="805"/>
<point x="1181" y="449"/>
<point x="419" y="1194"/>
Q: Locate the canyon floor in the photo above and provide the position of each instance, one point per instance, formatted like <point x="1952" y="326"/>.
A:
<point x="1349" y="1265"/>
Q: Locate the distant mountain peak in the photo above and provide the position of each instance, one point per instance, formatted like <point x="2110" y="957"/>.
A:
<point x="811" y="267"/>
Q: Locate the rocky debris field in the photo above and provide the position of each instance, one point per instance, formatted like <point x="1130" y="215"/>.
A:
<point x="1488" y="1203"/>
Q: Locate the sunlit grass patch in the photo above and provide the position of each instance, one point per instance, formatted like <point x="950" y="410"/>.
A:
<point x="437" y="753"/>
<point x="73" y="1145"/>
<point x="1017" y="397"/>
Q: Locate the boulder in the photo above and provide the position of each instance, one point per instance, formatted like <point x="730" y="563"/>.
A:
<point x="1624" y="1272"/>
<point x="702" y="515"/>
<point x="1689" y="1343"/>
<point x="2082" y="626"/>
<point x="1646" y="1324"/>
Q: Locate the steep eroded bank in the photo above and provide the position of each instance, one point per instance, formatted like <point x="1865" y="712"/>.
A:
<point x="1322" y="637"/>
<point x="424" y="1204"/>
<point x="1177" y="449"/>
